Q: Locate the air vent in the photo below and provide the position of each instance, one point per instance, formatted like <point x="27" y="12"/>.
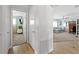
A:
<point x="54" y="6"/>
<point x="76" y="6"/>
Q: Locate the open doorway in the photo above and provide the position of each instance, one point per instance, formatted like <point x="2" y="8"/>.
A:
<point x="18" y="27"/>
<point x="64" y="34"/>
<point x="65" y="29"/>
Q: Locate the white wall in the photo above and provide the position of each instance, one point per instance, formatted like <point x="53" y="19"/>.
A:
<point x="41" y="32"/>
<point x="5" y="17"/>
<point x="62" y="10"/>
<point x="5" y="24"/>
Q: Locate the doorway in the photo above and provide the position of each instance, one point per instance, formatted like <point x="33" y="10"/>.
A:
<point x="18" y="27"/>
<point x="64" y="37"/>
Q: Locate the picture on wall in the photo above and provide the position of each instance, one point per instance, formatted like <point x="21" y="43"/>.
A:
<point x="19" y="25"/>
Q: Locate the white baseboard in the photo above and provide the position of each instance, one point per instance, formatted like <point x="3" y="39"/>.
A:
<point x="50" y="50"/>
<point x="35" y="52"/>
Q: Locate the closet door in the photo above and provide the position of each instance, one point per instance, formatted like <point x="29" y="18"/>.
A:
<point x="6" y="28"/>
<point x="0" y="31"/>
<point x="0" y="40"/>
<point x="32" y="31"/>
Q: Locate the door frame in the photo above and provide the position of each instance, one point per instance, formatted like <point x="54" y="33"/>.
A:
<point x="11" y="28"/>
<point x="27" y="26"/>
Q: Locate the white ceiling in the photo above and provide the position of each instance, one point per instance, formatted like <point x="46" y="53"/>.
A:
<point x="18" y="13"/>
<point x="20" y="7"/>
<point x="64" y="10"/>
<point x="58" y="10"/>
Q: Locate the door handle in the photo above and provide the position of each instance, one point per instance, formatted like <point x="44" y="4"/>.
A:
<point x="7" y="32"/>
<point x="0" y="34"/>
<point x="33" y="31"/>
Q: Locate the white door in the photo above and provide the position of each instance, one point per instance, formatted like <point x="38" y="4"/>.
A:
<point x="0" y="31"/>
<point x="34" y="33"/>
<point x="6" y="25"/>
<point x="8" y="33"/>
<point x="0" y="41"/>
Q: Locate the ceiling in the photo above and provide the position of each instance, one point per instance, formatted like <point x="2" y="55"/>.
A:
<point x="58" y="10"/>
<point x="20" y="7"/>
<point x="64" y="10"/>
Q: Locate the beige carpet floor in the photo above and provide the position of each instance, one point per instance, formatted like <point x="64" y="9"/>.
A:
<point x="18" y="39"/>
<point x="65" y="43"/>
<point x="64" y="36"/>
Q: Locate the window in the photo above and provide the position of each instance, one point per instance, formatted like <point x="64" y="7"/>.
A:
<point x="54" y="23"/>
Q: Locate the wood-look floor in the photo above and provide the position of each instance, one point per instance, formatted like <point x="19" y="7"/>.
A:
<point x="21" y="49"/>
<point x="66" y="45"/>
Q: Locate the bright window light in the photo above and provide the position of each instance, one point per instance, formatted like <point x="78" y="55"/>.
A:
<point x="54" y="23"/>
<point x="64" y="24"/>
<point x="14" y="21"/>
<point x="31" y="22"/>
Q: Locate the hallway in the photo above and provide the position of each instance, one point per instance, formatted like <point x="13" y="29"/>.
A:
<point x="32" y="22"/>
<point x="21" y="49"/>
<point x="64" y="43"/>
<point x="18" y="39"/>
<point x="45" y="28"/>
